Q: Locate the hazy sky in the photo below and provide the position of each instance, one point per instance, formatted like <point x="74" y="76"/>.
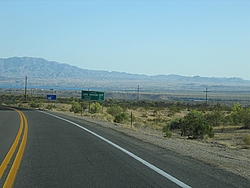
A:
<point x="205" y="37"/>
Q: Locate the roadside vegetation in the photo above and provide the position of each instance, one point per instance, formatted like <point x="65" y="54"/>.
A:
<point x="214" y="122"/>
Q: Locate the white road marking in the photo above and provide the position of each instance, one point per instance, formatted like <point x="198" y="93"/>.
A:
<point x="154" y="168"/>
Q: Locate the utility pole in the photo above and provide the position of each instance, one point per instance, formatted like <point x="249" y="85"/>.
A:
<point x="206" y="94"/>
<point x="25" y="90"/>
<point x="138" y="94"/>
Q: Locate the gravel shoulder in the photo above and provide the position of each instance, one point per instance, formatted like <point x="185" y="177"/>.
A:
<point x="233" y="160"/>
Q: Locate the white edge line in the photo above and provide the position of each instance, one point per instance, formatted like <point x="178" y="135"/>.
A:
<point x="149" y="165"/>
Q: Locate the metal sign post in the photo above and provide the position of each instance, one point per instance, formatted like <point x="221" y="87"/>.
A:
<point x="93" y="96"/>
<point x="51" y="97"/>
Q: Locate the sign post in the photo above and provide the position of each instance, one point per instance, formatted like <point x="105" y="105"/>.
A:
<point x="51" y="97"/>
<point x="93" y="96"/>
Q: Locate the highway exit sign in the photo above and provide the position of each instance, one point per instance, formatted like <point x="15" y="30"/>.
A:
<point x="93" y="95"/>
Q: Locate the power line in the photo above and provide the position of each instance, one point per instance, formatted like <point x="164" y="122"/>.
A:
<point x="25" y="91"/>
<point x="206" y="94"/>
<point x="138" y="94"/>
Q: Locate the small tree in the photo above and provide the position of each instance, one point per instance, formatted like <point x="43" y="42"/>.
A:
<point x="215" y="118"/>
<point x="245" y="115"/>
<point x="240" y="116"/>
<point x="174" y="124"/>
<point x="195" y="126"/>
<point x="236" y="115"/>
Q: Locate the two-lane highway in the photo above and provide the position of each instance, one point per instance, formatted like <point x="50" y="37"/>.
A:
<point x="69" y="152"/>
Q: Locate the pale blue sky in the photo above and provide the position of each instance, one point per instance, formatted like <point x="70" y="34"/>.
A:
<point x="204" y="37"/>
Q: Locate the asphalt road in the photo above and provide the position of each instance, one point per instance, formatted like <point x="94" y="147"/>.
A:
<point x="76" y="153"/>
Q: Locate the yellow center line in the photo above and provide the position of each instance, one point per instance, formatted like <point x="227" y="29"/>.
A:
<point x="12" y="149"/>
<point x="17" y="161"/>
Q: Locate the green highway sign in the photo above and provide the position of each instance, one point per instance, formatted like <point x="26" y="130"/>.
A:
<point x="93" y="95"/>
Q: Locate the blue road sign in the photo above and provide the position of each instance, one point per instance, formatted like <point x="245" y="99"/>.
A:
<point x="51" y="97"/>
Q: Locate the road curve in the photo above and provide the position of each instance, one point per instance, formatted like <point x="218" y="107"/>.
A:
<point x="59" y="153"/>
<point x="12" y="160"/>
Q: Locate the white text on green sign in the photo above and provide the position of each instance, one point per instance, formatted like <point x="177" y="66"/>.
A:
<point x="93" y="95"/>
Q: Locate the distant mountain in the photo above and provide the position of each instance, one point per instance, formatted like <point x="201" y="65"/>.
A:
<point x="41" y="72"/>
<point x="36" y="67"/>
<point x="41" y="68"/>
<point x="199" y="79"/>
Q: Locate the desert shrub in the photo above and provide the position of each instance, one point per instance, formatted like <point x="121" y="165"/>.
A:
<point x="157" y="120"/>
<point x="121" y="118"/>
<point x="50" y="106"/>
<point x="240" y="116"/>
<point x="138" y="124"/>
<point x="236" y="115"/>
<point x="75" y="107"/>
<point x="175" y="124"/>
<point x="166" y="129"/>
<point x="209" y="131"/>
<point x="215" y="118"/>
<point x="247" y="125"/>
<point x="168" y="134"/>
<point x="246" y="118"/>
<point x="115" y="110"/>
<point x="246" y="139"/>
<point x="84" y="105"/>
<point x="134" y="118"/>
<point x="174" y="109"/>
<point x="119" y="114"/>
<point x="228" y="120"/>
<point x="34" y="105"/>
<point x="194" y="125"/>
<point x="95" y="108"/>
<point x="155" y="112"/>
<point x="108" y="117"/>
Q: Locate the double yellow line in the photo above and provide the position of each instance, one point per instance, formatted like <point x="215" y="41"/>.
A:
<point x="21" y="136"/>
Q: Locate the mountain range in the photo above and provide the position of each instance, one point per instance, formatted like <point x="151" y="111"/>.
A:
<point x="41" y="72"/>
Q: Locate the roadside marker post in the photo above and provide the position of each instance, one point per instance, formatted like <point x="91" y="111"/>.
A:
<point x="131" y="119"/>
